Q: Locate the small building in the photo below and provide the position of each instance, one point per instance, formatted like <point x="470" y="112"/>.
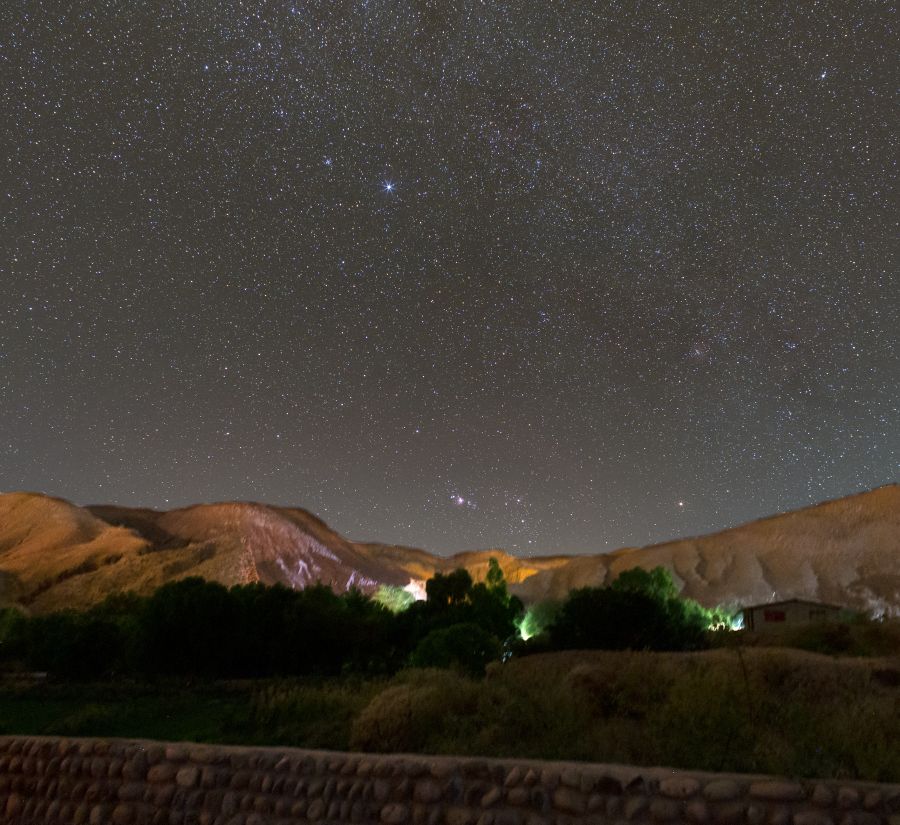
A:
<point x="789" y="612"/>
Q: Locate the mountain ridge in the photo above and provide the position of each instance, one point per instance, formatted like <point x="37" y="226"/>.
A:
<point x="55" y="554"/>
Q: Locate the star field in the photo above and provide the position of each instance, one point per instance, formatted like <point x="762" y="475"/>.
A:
<point x="558" y="277"/>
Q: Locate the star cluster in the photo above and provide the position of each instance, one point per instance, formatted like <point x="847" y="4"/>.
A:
<point x="557" y="276"/>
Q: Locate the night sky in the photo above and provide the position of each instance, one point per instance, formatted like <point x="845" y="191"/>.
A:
<point x="552" y="276"/>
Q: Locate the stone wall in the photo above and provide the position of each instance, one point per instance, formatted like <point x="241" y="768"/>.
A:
<point x="127" y="782"/>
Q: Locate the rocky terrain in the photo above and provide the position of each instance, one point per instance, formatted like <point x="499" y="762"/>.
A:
<point x="54" y="554"/>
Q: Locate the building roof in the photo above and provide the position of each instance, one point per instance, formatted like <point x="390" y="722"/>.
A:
<point x="794" y="601"/>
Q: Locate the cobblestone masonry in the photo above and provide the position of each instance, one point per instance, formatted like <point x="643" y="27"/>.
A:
<point x="128" y="782"/>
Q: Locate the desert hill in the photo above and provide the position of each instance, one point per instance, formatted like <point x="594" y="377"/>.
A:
<point x="420" y="564"/>
<point x="845" y="551"/>
<point x="54" y="554"/>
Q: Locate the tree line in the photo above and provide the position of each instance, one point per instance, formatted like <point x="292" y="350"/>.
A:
<point x="198" y="628"/>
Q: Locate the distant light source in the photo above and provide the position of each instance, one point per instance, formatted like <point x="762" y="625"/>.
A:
<point x="527" y="626"/>
<point x="417" y="588"/>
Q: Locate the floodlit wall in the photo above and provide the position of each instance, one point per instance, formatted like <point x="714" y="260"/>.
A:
<point x="48" y="780"/>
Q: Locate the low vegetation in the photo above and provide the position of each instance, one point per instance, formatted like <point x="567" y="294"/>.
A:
<point x="756" y="710"/>
<point x="853" y="636"/>
<point x="202" y="629"/>
<point x="468" y="671"/>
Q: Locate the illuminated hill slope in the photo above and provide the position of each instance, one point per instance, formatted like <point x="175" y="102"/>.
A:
<point x="845" y="551"/>
<point x="54" y="554"/>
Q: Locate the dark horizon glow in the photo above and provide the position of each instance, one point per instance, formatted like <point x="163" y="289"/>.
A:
<point x="550" y="277"/>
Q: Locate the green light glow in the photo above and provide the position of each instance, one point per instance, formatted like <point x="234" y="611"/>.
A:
<point x="395" y="599"/>
<point x="537" y="619"/>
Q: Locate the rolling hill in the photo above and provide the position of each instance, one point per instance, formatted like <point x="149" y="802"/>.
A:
<point x="845" y="551"/>
<point x="54" y="554"/>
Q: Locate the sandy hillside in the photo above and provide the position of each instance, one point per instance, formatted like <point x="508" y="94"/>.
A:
<point x="54" y="554"/>
<point x="845" y="551"/>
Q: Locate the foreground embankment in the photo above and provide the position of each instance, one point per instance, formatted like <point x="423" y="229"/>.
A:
<point x="128" y="782"/>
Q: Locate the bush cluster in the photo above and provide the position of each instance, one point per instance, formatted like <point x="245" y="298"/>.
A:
<point x="640" y="610"/>
<point x="197" y="628"/>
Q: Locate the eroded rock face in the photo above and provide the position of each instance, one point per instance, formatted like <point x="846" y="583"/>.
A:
<point x="55" y="554"/>
<point x="96" y="782"/>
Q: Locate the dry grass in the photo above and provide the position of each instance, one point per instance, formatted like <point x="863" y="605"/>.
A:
<point x="761" y="710"/>
<point x="767" y="710"/>
<point x="862" y="637"/>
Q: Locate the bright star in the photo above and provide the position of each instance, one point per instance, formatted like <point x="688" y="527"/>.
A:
<point x="388" y="186"/>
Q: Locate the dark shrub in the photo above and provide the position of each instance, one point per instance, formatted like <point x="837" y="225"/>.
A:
<point x="619" y="619"/>
<point x="464" y="646"/>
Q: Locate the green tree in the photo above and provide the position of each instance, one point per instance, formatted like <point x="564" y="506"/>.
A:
<point x="450" y="589"/>
<point x="466" y="646"/>
<point x="10" y="622"/>
<point x="188" y="627"/>
<point x="656" y="583"/>
<point x="68" y="644"/>
<point x="495" y="580"/>
<point x="640" y="610"/>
